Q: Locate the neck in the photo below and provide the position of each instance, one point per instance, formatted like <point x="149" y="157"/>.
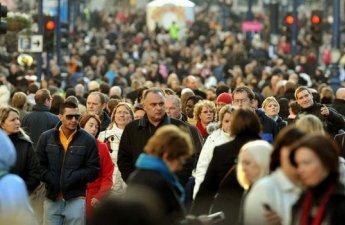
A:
<point x="66" y="132"/>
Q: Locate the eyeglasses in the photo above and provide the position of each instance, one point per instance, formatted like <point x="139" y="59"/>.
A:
<point x="207" y="111"/>
<point x="122" y="113"/>
<point x="70" y="117"/>
<point x="241" y="100"/>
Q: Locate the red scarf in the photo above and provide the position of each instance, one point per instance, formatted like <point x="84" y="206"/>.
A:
<point x="320" y="213"/>
<point x="202" y="130"/>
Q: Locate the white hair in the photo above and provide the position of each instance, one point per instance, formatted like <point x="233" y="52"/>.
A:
<point x="115" y="90"/>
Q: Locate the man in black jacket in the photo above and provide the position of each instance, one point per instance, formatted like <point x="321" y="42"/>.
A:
<point x="331" y="119"/>
<point x="69" y="160"/>
<point x="138" y="132"/>
<point x="40" y="119"/>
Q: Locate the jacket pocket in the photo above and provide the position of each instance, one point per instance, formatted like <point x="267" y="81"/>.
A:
<point x="75" y="157"/>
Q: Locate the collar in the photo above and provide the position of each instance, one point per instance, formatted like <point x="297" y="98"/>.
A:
<point x="144" y="122"/>
<point x="40" y="108"/>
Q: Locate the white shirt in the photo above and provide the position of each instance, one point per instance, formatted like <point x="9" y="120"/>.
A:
<point x="278" y="192"/>
<point x="217" y="137"/>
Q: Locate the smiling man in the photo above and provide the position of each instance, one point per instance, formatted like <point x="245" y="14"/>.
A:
<point x="331" y="119"/>
<point x="69" y="160"/>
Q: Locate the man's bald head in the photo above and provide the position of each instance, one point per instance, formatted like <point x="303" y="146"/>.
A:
<point x="340" y="94"/>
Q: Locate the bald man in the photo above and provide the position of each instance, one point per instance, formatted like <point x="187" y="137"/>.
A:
<point x="339" y="101"/>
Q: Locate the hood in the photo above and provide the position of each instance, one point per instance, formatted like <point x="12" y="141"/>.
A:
<point x="7" y="152"/>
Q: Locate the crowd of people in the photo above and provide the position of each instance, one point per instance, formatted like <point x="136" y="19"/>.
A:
<point x="147" y="128"/>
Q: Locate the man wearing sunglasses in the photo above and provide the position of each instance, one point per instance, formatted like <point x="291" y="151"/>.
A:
<point x="69" y="160"/>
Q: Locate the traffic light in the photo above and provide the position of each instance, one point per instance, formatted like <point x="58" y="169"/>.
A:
<point x="49" y="34"/>
<point x="64" y="32"/>
<point x="316" y="27"/>
<point x="3" y="14"/>
<point x="289" y="20"/>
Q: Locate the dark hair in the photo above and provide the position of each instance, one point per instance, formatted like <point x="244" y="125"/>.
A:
<point x="70" y="92"/>
<point x="67" y="104"/>
<point x="33" y="88"/>
<point x="245" y="121"/>
<point x="87" y="117"/>
<point x="222" y="89"/>
<point x="250" y="93"/>
<point x="41" y="96"/>
<point x="194" y="98"/>
<point x="286" y="137"/>
<point x="324" y="148"/>
<point x="56" y="102"/>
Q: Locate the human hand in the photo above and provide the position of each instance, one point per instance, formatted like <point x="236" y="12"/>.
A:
<point x="324" y="110"/>
<point x="272" y="218"/>
<point x="94" y="202"/>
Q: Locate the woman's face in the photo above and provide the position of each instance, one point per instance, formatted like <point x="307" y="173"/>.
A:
<point x="92" y="126"/>
<point x="286" y="165"/>
<point x="206" y="116"/>
<point x="190" y="108"/>
<point x="226" y="122"/>
<point x="11" y="124"/>
<point x="272" y="108"/>
<point x="309" y="167"/>
<point x="250" y="167"/>
<point x="122" y="116"/>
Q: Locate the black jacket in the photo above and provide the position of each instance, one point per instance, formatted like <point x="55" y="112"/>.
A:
<point x="67" y="172"/>
<point x="269" y="127"/>
<point x="224" y="157"/>
<point x="38" y="121"/>
<point x="332" y="123"/>
<point x="339" y="105"/>
<point x="166" y="193"/>
<point x="105" y="121"/>
<point x="137" y="133"/>
<point x="27" y="165"/>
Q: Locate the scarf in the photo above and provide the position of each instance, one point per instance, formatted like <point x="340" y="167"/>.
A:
<point x="202" y="130"/>
<point x="320" y="213"/>
<point x="155" y="163"/>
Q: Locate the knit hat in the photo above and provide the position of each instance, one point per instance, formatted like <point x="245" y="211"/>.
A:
<point x="224" y="98"/>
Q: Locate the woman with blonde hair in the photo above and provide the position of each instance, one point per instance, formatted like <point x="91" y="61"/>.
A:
<point x="310" y="124"/>
<point x="121" y="116"/>
<point x="218" y="137"/>
<point x="204" y="114"/>
<point x="271" y="108"/>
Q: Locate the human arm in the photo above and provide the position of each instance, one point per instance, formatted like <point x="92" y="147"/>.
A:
<point x="33" y="169"/>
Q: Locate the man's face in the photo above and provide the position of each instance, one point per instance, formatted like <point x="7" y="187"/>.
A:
<point x="305" y="99"/>
<point x="154" y="106"/>
<point x="70" y="118"/>
<point x="94" y="104"/>
<point x="241" y="100"/>
<point x="171" y="109"/>
<point x="190" y="108"/>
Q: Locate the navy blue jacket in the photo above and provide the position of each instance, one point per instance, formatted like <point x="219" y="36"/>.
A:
<point x="67" y="172"/>
<point x="269" y="127"/>
<point x="38" y="121"/>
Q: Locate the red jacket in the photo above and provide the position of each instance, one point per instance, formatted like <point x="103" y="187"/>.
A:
<point x="102" y="185"/>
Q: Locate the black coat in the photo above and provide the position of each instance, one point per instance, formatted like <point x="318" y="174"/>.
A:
<point x="332" y="123"/>
<point x="67" y="172"/>
<point x="339" y="105"/>
<point x="27" y="165"/>
<point x="38" y="121"/>
<point x="137" y="133"/>
<point x="224" y="157"/>
<point x="166" y="193"/>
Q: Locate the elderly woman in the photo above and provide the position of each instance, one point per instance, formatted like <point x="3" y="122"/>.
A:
<point x="271" y="108"/>
<point x="121" y="116"/>
<point x="253" y="164"/>
<point x="245" y="126"/>
<point x="204" y="114"/>
<point x="323" y="202"/>
<point x="165" y="154"/>
<point x="97" y="189"/>
<point x="218" y="137"/>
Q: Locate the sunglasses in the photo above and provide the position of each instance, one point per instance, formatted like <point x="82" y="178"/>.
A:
<point x="70" y="117"/>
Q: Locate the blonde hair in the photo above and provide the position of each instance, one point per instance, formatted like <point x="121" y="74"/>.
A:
<point x="127" y="106"/>
<point x="203" y="103"/>
<point x="268" y="100"/>
<point x="172" y="140"/>
<point x="310" y="124"/>
<point x="261" y="151"/>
